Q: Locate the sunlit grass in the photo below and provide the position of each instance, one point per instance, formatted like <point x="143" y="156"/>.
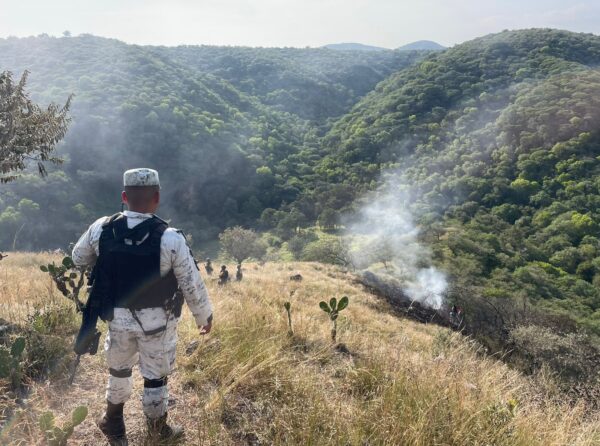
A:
<point x="392" y="382"/>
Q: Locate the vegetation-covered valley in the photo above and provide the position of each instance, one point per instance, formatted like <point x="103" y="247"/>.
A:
<point x="497" y="137"/>
<point x="489" y="150"/>
<point x="233" y="130"/>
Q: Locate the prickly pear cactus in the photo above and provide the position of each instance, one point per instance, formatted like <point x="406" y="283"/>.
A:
<point x="58" y="436"/>
<point x="68" y="279"/>
<point x="11" y="366"/>
<point x="333" y="309"/>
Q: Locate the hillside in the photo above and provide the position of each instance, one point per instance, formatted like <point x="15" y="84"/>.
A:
<point x="353" y="46"/>
<point x="206" y="117"/>
<point x="490" y="150"/>
<point x="498" y="139"/>
<point x="389" y="381"/>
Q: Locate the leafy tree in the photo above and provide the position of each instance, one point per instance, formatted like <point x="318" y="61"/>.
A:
<point x="329" y="218"/>
<point x="240" y="244"/>
<point x="27" y="133"/>
<point x="328" y="249"/>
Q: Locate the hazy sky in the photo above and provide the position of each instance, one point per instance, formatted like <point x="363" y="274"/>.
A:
<point x="388" y="23"/>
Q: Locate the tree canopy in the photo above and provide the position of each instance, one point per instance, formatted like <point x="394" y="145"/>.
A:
<point x="240" y="244"/>
<point x="27" y="133"/>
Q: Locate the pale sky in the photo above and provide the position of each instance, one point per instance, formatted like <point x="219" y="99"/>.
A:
<point x="299" y="23"/>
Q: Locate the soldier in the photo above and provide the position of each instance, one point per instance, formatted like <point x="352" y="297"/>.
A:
<point x="208" y="267"/>
<point x="223" y="275"/>
<point x="144" y="264"/>
<point x="238" y="273"/>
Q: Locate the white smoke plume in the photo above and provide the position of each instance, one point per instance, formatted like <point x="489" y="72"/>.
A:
<point x="383" y="232"/>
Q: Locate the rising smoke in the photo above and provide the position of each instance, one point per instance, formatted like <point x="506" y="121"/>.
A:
<point x="383" y="231"/>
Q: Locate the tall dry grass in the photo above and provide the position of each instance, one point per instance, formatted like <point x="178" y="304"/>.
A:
<point x="392" y="381"/>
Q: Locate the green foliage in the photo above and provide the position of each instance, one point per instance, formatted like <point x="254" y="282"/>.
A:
<point x="58" y="436"/>
<point x="29" y="133"/>
<point x="333" y="309"/>
<point x="233" y="131"/>
<point x="11" y="362"/>
<point x="327" y="249"/>
<point x="68" y="279"/>
<point x="240" y="244"/>
<point x="500" y="138"/>
<point x="573" y="356"/>
<point x="49" y="333"/>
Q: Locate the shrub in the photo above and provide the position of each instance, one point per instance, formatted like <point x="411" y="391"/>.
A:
<point x="49" y="334"/>
<point x="328" y="249"/>
<point x="58" y="436"/>
<point x="574" y="356"/>
<point x="11" y="362"/>
<point x="297" y="243"/>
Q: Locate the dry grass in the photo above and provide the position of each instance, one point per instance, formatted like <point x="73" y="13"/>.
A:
<point x="393" y="382"/>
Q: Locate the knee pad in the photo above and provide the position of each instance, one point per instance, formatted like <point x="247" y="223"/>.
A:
<point x="156" y="397"/>
<point x="124" y="373"/>
<point x="154" y="383"/>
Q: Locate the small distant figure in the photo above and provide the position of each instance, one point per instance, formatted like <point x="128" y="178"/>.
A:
<point x="456" y="316"/>
<point x="2" y="256"/>
<point x="223" y="275"/>
<point x="296" y="278"/>
<point x="208" y="266"/>
<point x="238" y="275"/>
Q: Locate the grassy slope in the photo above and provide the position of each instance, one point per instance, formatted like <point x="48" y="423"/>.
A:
<point x="249" y="383"/>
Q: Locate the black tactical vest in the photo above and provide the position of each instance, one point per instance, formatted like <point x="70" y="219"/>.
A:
<point x="131" y="258"/>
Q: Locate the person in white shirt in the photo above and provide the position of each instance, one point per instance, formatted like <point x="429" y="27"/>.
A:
<point x="147" y="267"/>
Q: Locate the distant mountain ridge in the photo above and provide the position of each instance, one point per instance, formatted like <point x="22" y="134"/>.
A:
<point x="419" y="45"/>
<point x="422" y="45"/>
<point x="351" y="46"/>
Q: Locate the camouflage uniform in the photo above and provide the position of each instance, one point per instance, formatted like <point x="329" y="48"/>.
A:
<point x="126" y="343"/>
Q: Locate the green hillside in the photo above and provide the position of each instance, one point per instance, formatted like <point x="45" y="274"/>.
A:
<point x="497" y="137"/>
<point x="230" y="129"/>
<point x="500" y="138"/>
<point x="313" y="83"/>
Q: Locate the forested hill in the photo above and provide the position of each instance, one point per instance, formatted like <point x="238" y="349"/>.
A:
<point x="497" y="137"/>
<point x="232" y="130"/>
<point x="313" y="83"/>
<point x="500" y="137"/>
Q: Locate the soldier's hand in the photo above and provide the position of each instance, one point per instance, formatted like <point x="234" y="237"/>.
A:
<point x="205" y="329"/>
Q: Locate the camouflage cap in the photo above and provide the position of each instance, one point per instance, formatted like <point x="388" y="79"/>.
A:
<point x="141" y="177"/>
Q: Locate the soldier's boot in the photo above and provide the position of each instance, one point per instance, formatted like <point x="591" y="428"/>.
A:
<point x="112" y="425"/>
<point x="159" y="430"/>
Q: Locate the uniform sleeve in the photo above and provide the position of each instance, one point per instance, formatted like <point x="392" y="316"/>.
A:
<point x="188" y="277"/>
<point x="85" y="251"/>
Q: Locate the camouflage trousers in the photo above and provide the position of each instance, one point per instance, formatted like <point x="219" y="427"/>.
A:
<point x="127" y="345"/>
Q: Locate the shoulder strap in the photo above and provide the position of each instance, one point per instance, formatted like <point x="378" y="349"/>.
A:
<point x="108" y="229"/>
<point x="112" y="219"/>
<point x="160" y="219"/>
<point x="116" y="229"/>
<point x="159" y="226"/>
